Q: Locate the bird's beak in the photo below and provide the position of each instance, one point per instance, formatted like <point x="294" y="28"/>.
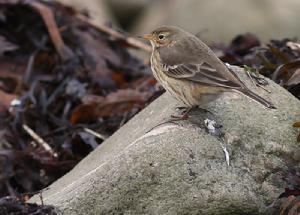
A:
<point x="147" y="36"/>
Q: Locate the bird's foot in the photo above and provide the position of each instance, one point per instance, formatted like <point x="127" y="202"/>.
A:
<point x="179" y="117"/>
<point x="180" y="108"/>
<point x="183" y="115"/>
<point x="184" y="112"/>
<point x="175" y="118"/>
<point x="172" y="120"/>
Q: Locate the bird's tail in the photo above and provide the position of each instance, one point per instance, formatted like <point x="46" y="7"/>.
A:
<point x="257" y="98"/>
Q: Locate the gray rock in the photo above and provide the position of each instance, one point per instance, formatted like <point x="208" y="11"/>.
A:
<point x="220" y="21"/>
<point x="180" y="168"/>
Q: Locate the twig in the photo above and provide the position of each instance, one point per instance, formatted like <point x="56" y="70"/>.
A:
<point x="29" y="67"/>
<point x="265" y="89"/>
<point x="129" y="40"/>
<point x="41" y="197"/>
<point x="39" y="140"/>
<point x="96" y="134"/>
<point x="125" y="115"/>
<point x="64" y="51"/>
<point x="250" y="76"/>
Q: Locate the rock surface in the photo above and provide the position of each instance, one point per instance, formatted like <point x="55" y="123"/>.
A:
<point x="220" y="21"/>
<point x="216" y="20"/>
<point x="180" y="168"/>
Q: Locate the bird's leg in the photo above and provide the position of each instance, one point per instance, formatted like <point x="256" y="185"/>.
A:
<point x="184" y="114"/>
<point x="181" y="108"/>
<point x="174" y="118"/>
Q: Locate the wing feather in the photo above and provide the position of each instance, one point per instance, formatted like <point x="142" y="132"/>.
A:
<point x="200" y="73"/>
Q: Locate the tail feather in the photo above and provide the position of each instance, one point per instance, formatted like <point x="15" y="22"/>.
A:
<point x="257" y="98"/>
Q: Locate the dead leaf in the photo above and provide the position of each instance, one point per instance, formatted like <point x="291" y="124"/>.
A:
<point x="294" y="46"/>
<point x="290" y="206"/>
<point x="294" y="79"/>
<point x="113" y="104"/>
<point x="50" y="89"/>
<point x="6" y="98"/>
<point x="96" y="55"/>
<point x="241" y="44"/>
<point x="288" y="74"/>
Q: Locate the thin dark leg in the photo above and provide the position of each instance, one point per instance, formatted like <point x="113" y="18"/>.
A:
<point x="181" y="108"/>
<point x="174" y="118"/>
<point x="184" y="115"/>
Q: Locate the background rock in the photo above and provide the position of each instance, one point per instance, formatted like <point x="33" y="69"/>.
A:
<point x="222" y="20"/>
<point x="218" y="21"/>
<point x="180" y="168"/>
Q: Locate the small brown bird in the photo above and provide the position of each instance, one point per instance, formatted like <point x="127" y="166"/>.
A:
<point x="189" y="70"/>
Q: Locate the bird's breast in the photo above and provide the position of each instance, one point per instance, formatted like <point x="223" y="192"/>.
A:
<point x="176" y="87"/>
<point x="156" y="67"/>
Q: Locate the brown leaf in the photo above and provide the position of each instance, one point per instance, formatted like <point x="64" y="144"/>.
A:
<point x="83" y="113"/>
<point x="290" y="206"/>
<point x="50" y="88"/>
<point x="11" y="73"/>
<point x="279" y="54"/>
<point x="119" y="79"/>
<point x="294" y="79"/>
<point x="114" y="104"/>
<point x="96" y="52"/>
<point x="288" y="74"/>
<point x="241" y="44"/>
<point x="293" y="46"/>
<point x="6" y="99"/>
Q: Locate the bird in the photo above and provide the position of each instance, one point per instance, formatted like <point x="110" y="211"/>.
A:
<point x="190" y="71"/>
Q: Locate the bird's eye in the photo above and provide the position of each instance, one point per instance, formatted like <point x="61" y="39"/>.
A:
<point x="161" y="36"/>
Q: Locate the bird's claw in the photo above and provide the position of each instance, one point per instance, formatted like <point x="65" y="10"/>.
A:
<point x="179" y="117"/>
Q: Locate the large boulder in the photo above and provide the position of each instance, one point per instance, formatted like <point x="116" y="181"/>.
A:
<point x="180" y="168"/>
<point x="220" y="20"/>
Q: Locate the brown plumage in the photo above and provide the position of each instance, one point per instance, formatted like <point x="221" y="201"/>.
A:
<point x="190" y="71"/>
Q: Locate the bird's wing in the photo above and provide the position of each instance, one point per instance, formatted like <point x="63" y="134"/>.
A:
<point x="200" y="73"/>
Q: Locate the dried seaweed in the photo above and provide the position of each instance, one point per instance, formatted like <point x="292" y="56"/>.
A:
<point x="278" y="60"/>
<point x="63" y="84"/>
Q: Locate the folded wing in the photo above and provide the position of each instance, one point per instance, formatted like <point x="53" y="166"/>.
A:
<point x="201" y="73"/>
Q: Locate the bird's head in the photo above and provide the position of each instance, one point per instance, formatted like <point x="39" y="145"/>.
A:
<point x="164" y="36"/>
